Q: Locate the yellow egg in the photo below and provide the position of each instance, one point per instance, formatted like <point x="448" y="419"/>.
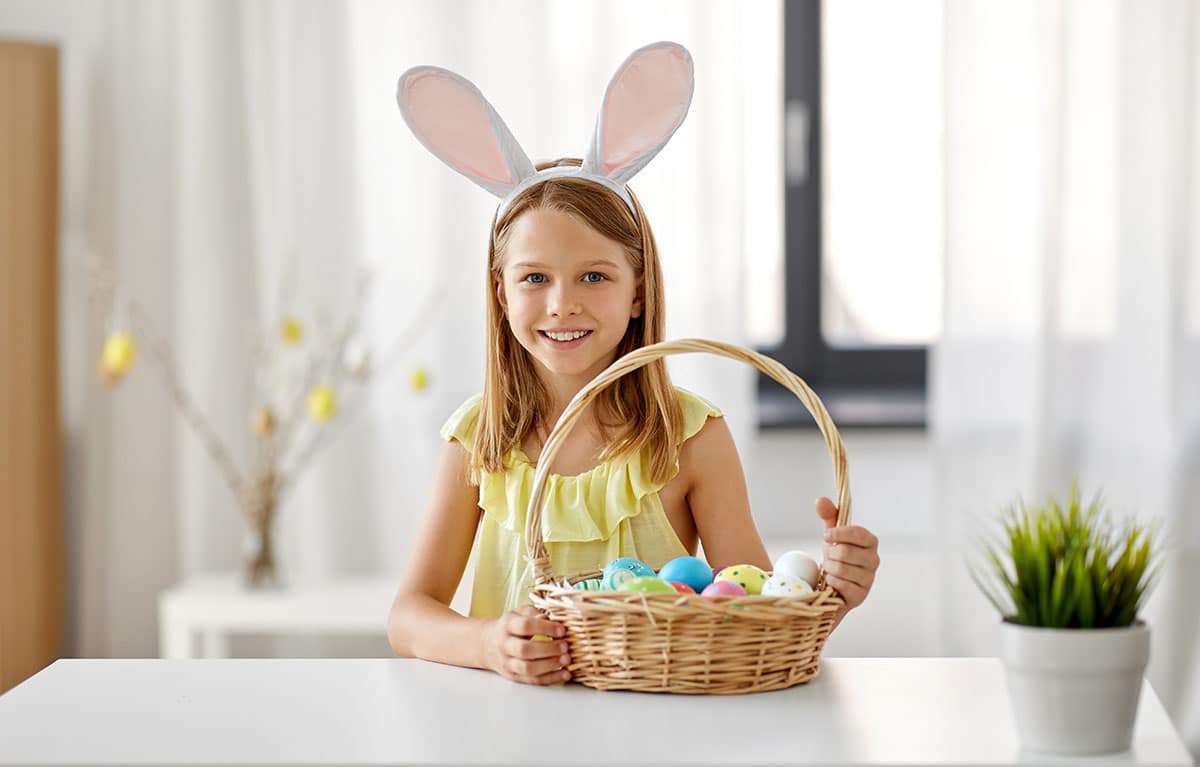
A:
<point x="292" y="331"/>
<point x="748" y="577"/>
<point x="120" y="352"/>
<point x="419" y="379"/>
<point x="322" y="403"/>
<point x="263" y="422"/>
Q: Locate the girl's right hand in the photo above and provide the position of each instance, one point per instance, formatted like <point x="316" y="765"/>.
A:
<point x="511" y="651"/>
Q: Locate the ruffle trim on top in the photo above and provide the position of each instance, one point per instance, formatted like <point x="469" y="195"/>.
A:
<point x="608" y="493"/>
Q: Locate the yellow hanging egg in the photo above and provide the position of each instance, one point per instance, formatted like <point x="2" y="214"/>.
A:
<point x="120" y="352"/>
<point x="292" y="331"/>
<point x="322" y="403"/>
<point x="263" y="422"/>
<point x="356" y="360"/>
<point x="418" y="379"/>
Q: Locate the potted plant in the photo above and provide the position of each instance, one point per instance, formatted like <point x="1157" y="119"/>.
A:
<point x="1069" y="584"/>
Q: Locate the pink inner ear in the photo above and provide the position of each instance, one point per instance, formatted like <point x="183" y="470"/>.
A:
<point x="453" y="123"/>
<point x="647" y="102"/>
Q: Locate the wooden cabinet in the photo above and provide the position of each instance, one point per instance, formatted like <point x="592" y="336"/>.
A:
<point x="32" y="556"/>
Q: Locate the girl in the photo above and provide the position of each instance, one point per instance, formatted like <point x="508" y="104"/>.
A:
<point x="574" y="282"/>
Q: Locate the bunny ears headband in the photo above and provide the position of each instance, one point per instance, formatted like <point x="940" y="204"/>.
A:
<point x="644" y="105"/>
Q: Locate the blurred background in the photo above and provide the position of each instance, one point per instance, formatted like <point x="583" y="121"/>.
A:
<point x="969" y="225"/>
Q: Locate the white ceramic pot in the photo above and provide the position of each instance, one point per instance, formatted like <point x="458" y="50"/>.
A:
<point x="1075" y="691"/>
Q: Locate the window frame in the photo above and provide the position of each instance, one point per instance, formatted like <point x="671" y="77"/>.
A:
<point x="874" y="387"/>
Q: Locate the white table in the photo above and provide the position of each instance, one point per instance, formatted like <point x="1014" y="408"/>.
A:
<point x="859" y="711"/>
<point x="212" y="607"/>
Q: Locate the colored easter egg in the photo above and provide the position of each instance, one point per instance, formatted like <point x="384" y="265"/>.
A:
<point x="120" y="352"/>
<point x="322" y="403"/>
<point x="646" y="584"/>
<point x="591" y="584"/>
<point x="693" y="571"/>
<point x="723" y="589"/>
<point x="622" y="569"/>
<point x="263" y="422"/>
<point x="748" y="577"/>
<point x="784" y="585"/>
<point x="291" y="331"/>
<point x="682" y="588"/>
<point x="798" y="564"/>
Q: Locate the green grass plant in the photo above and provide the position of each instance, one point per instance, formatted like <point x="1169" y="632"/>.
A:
<point x="1067" y="567"/>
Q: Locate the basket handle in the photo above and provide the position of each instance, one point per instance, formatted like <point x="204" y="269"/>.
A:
<point x="542" y="571"/>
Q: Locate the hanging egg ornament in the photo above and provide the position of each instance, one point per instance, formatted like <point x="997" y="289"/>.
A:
<point x="263" y="422"/>
<point x="291" y="332"/>
<point x="418" y="379"/>
<point x="322" y="403"/>
<point x="355" y="359"/>
<point x="120" y="352"/>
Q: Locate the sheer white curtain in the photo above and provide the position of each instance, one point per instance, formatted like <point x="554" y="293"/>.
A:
<point x="235" y="149"/>
<point x="1071" y="347"/>
<point x="544" y="66"/>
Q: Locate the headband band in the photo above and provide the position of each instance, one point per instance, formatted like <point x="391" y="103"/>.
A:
<point x="565" y="171"/>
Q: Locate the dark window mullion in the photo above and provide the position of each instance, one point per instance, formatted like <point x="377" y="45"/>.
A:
<point x="880" y="374"/>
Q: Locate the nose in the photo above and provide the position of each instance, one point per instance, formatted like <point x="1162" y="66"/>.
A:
<point x="563" y="300"/>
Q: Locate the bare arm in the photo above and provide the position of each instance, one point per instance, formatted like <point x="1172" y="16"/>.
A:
<point x="718" y="499"/>
<point x="720" y="508"/>
<point x="421" y="623"/>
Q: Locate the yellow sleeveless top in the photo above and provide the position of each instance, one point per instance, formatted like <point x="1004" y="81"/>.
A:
<point x="612" y="510"/>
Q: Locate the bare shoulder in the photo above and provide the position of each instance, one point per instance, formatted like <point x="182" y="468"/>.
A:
<point x="709" y="453"/>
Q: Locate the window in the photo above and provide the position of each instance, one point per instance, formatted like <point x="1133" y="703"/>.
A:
<point x="862" y="209"/>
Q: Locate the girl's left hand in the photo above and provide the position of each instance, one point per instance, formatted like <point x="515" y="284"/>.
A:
<point x="851" y="556"/>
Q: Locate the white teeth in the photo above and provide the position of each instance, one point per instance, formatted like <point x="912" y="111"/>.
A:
<point x="566" y="336"/>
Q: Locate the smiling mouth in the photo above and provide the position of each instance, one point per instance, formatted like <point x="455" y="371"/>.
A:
<point x="565" y="339"/>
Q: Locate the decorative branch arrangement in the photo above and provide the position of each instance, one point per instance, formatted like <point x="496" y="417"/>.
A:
<point x="306" y="390"/>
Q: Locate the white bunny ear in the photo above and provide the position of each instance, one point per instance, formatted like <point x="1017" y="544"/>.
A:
<point x="456" y="123"/>
<point x="644" y="105"/>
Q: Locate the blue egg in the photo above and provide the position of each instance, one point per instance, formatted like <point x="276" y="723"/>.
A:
<point x="622" y="569"/>
<point x="693" y="571"/>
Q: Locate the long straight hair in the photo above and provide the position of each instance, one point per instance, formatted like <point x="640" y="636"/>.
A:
<point x="638" y="411"/>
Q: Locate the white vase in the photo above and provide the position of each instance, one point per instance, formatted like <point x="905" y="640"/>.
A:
<point x="1075" y="691"/>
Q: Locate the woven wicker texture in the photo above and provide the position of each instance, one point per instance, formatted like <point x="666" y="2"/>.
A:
<point x="685" y="643"/>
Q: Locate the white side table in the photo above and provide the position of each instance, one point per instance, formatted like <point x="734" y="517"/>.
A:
<point x="215" y="606"/>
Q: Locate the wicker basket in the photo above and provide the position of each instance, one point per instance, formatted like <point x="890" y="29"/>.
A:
<point x="684" y="643"/>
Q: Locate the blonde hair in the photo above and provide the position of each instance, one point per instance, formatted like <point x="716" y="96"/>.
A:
<point x="638" y="411"/>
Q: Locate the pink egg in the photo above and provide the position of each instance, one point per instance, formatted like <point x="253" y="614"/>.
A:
<point x="682" y="588"/>
<point x="723" y="589"/>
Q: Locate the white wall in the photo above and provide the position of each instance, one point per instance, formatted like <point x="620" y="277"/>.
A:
<point x="889" y="470"/>
<point x="890" y="487"/>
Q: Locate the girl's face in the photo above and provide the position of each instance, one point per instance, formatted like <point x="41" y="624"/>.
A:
<point x="568" y="293"/>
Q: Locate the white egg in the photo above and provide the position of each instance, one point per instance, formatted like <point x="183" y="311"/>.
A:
<point x="783" y="585"/>
<point x="798" y="564"/>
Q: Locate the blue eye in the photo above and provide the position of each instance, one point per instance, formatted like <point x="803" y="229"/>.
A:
<point x="598" y="277"/>
<point x="535" y="278"/>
